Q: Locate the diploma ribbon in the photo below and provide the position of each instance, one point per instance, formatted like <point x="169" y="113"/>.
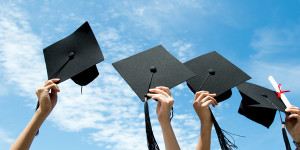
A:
<point x="281" y="92"/>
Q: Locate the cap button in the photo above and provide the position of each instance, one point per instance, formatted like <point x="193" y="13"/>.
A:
<point x="153" y="69"/>
<point x="211" y="71"/>
<point x="264" y="95"/>
<point x="71" y="55"/>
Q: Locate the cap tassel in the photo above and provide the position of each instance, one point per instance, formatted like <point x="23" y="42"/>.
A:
<point x="152" y="144"/>
<point x="285" y="138"/>
<point x="37" y="106"/>
<point x="171" y="114"/>
<point x="225" y="143"/>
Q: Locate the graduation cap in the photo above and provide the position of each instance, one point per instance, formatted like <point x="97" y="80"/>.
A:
<point x="74" y="57"/>
<point x="260" y="104"/>
<point x="149" y="69"/>
<point x="215" y="74"/>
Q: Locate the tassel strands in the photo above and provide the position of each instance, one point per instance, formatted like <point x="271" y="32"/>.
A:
<point x="152" y="144"/>
<point x="225" y="143"/>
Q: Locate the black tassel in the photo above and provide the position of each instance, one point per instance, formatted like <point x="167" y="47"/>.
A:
<point x="171" y="114"/>
<point x="225" y="143"/>
<point x="152" y="145"/>
<point x="37" y="106"/>
<point x="285" y="138"/>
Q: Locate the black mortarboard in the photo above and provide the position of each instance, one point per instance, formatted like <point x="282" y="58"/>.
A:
<point x="216" y="74"/>
<point x="74" y="57"/>
<point x="135" y="70"/>
<point x="149" y="69"/>
<point x="260" y="105"/>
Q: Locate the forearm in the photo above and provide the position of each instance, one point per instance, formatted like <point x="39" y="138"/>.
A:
<point x="23" y="142"/>
<point x="205" y="136"/>
<point x="169" y="136"/>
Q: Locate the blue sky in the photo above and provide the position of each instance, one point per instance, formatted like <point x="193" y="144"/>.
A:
<point x="260" y="37"/>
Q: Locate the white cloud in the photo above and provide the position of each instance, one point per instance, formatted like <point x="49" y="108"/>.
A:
<point x="158" y="17"/>
<point x="5" y="139"/>
<point x="107" y="101"/>
<point x="268" y="41"/>
<point x="183" y="50"/>
<point x="107" y="105"/>
<point x="285" y="73"/>
<point x="270" y="44"/>
<point x="21" y="59"/>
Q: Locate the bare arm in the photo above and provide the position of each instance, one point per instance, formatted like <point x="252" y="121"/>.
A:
<point x="201" y="105"/>
<point x="47" y="103"/>
<point x="163" y="109"/>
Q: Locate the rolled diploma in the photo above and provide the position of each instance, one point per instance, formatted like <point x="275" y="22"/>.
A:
<point x="283" y="97"/>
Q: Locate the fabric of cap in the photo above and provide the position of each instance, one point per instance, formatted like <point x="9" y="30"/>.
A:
<point x="226" y="75"/>
<point x="136" y="70"/>
<point x="258" y="103"/>
<point x="74" y="57"/>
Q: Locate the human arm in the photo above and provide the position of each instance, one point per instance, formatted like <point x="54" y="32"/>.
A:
<point x="292" y="122"/>
<point x="47" y="102"/>
<point x="163" y="109"/>
<point x="201" y="105"/>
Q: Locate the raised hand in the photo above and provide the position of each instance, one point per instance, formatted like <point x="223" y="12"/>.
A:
<point x="292" y="122"/>
<point x="201" y="105"/>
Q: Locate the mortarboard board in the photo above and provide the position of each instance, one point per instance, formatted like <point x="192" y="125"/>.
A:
<point x="74" y="57"/>
<point x="149" y="69"/>
<point x="215" y="74"/>
<point x="260" y="104"/>
<point x="135" y="70"/>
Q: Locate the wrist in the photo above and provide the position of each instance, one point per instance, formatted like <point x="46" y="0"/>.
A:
<point x="41" y="114"/>
<point x="207" y="123"/>
<point x="164" y="121"/>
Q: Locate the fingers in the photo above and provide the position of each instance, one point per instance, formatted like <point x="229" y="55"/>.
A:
<point x="203" y="92"/>
<point x="209" y="100"/>
<point x="296" y="116"/>
<point x="203" y="95"/>
<point x="293" y="109"/>
<point x="198" y="94"/>
<point x="166" y="89"/>
<point x="53" y="87"/>
<point x="158" y="91"/>
<point x="161" y="98"/>
<point x="158" y="97"/>
<point x="48" y="82"/>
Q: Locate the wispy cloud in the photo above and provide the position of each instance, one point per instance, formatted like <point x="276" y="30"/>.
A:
<point x="107" y="104"/>
<point x="270" y="41"/>
<point x="270" y="45"/>
<point x="5" y="139"/>
<point x="286" y="73"/>
<point x="183" y="50"/>
<point x="158" y="18"/>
